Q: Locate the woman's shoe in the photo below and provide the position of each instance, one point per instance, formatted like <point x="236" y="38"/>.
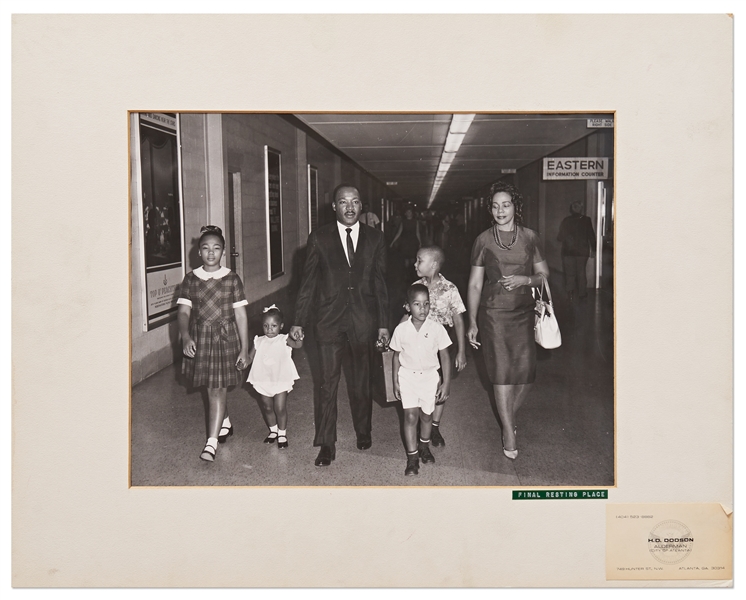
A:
<point x="208" y="453"/>
<point x="271" y="438"/>
<point x="225" y="433"/>
<point x="511" y="454"/>
<point x="282" y="441"/>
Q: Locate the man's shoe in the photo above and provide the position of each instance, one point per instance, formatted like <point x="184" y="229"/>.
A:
<point x="326" y="455"/>
<point x="436" y="439"/>
<point x="364" y="441"/>
<point x="425" y="454"/>
<point x="413" y="465"/>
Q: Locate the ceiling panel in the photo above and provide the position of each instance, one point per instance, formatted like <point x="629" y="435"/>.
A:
<point x="507" y="151"/>
<point x="406" y="148"/>
<point x="393" y="153"/>
<point x="313" y="118"/>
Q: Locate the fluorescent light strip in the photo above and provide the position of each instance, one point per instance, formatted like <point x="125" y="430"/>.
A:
<point x="456" y="132"/>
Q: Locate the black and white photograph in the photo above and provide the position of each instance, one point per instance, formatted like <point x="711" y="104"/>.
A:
<point x="384" y="299"/>
<point x="365" y="301"/>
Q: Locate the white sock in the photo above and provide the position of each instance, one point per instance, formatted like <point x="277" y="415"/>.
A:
<point x="274" y="429"/>
<point x="226" y="422"/>
<point x="212" y="442"/>
<point x="282" y="432"/>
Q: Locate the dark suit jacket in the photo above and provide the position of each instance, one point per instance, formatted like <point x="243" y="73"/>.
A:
<point x="577" y="236"/>
<point x="330" y="288"/>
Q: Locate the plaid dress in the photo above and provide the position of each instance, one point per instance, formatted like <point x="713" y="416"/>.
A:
<point x="213" y="328"/>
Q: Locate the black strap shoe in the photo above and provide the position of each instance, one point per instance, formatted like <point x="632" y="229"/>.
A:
<point x="413" y="465"/>
<point x="225" y="433"/>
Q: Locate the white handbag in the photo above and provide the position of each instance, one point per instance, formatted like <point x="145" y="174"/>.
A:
<point x="546" y="328"/>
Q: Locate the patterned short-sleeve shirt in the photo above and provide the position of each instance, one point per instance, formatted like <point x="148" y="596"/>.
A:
<point x="445" y="301"/>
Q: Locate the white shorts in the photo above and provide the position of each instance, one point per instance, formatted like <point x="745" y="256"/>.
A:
<point x="272" y="388"/>
<point x="418" y="388"/>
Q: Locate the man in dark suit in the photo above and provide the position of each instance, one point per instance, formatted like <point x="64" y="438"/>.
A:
<point x="344" y="280"/>
<point x="578" y="243"/>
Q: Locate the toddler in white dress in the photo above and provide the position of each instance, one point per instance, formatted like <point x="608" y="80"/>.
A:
<point x="273" y="373"/>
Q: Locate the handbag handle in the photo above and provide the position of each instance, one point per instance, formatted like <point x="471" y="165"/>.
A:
<point x="545" y="284"/>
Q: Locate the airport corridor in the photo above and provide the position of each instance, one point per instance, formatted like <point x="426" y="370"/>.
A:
<point x="565" y="427"/>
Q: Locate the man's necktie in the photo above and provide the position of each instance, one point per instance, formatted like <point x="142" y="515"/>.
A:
<point x="350" y="247"/>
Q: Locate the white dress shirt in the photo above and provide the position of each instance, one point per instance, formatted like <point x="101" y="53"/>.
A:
<point x="355" y="233"/>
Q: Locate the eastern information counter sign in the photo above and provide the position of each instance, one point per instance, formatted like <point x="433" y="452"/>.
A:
<point x="561" y="167"/>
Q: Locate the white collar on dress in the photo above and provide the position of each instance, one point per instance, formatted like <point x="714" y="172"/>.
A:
<point x="204" y="275"/>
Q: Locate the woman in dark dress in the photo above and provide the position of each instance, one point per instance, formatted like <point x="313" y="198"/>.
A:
<point x="506" y="262"/>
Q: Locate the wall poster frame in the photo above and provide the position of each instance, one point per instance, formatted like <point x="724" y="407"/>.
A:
<point x="161" y="214"/>
<point x="313" y="198"/>
<point x="273" y="207"/>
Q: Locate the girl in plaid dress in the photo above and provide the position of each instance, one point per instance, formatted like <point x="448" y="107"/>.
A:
<point x="214" y="333"/>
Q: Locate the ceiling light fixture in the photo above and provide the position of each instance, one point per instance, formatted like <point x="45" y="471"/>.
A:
<point x="456" y="132"/>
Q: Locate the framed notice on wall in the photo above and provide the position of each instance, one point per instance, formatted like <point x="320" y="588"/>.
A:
<point x="273" y="197"/>
<point x="160" y="211"/>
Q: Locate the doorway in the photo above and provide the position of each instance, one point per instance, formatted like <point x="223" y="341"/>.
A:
<point x="235" y="231"/>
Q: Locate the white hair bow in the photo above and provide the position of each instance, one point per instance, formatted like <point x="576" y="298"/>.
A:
<point x="268" y="308"/>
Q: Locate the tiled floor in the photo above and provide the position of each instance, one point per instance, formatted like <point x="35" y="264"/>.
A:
<point x="565" y="428"/>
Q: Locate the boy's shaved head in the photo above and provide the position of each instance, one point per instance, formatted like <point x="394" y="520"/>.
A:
<point x="436" y="253"/>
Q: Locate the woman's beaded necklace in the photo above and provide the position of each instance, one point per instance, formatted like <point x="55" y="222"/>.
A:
<point x="497" y="237"/>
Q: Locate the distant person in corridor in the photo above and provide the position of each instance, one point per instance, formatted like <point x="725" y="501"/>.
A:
<point x="578" y="242"/>
<point x="344" y="289"/>
<point x="369" y="218"/>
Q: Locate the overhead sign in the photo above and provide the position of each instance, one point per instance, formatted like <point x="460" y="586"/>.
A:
<point x="600" y="123"/>
<point x="576" y="168"/>
<point x="391" y="183"/>
<point x="507" y="170"/>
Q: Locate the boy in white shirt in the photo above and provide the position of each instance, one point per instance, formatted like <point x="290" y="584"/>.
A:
<point x="416" y="344"/>
<point x="447" y="308"/>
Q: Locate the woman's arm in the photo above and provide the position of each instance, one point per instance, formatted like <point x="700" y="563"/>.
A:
<point x="294" y="343"/>
<point x="188" y="346"/>
<point x="540" y="268"/>
<point x="396" y="237"/>
<point x="511" y="282"/>
<point x="473" y="297"/>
